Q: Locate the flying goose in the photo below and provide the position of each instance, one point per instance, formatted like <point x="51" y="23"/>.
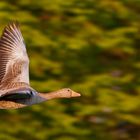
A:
<point x="15" y="90"/>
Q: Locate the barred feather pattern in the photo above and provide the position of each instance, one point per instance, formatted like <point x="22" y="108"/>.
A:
<point x="14" y="61"/>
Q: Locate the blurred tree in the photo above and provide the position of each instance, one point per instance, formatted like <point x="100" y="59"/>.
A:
<point x="91" y="46"/>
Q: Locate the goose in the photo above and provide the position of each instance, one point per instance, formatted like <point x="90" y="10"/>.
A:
<point x="15" y="89"/>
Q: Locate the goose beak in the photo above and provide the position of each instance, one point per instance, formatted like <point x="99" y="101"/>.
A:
<point x="75" y="94"/>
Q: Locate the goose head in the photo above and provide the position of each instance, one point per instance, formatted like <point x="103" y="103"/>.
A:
<point x="67" y="93"/>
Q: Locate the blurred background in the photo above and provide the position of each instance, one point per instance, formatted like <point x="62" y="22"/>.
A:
<point x="91" y="46"/>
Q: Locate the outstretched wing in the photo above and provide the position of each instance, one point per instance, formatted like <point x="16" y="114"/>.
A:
<point x="14" y="61"/>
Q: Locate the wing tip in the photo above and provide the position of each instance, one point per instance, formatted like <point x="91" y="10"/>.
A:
<point x="13" y="24"/>
<point x="12" y="29"/>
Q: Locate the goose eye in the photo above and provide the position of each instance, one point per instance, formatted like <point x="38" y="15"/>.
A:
<point x="68" y="90"/>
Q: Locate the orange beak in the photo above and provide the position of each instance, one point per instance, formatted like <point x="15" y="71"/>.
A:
<point x="75" y="94"/>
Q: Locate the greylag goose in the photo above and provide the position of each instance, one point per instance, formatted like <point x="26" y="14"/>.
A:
<point x="15" y="90"/>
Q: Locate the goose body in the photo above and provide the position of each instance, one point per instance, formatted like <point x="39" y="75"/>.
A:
<point x="15" y="89"/>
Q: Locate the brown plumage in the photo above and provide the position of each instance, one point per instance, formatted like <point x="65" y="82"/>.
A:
<point x="15" y="91"/>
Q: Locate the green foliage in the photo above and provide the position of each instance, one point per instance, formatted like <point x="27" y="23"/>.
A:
<point x="90" y="46"/>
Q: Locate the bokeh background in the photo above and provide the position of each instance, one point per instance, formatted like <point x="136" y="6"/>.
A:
<point x="91" y="46"/>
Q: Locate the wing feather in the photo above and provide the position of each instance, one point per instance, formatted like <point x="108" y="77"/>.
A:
<point x="14" y="61"/>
